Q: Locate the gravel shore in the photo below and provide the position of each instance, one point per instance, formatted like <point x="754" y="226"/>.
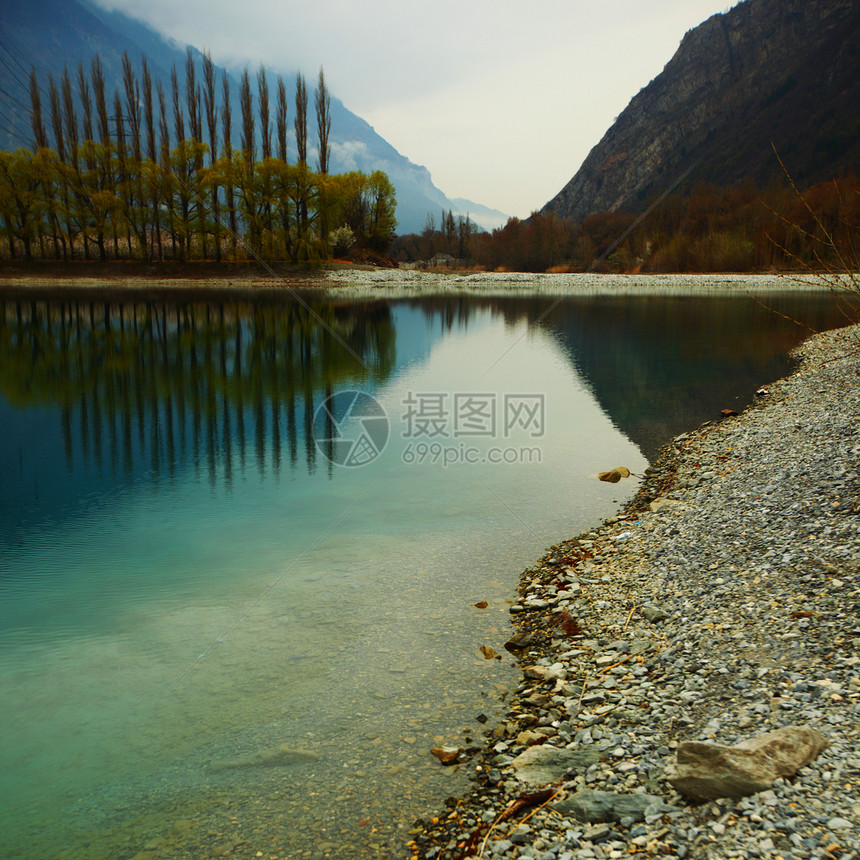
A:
<point x="723" y="602"/>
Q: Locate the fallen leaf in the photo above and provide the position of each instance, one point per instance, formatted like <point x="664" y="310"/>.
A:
<point x="363" y="822"/>
<point x="726" y="413"/>
<point x="487" y="652"/>
<point x="481" y="604"/>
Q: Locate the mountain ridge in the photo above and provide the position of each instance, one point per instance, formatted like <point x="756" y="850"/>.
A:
<point x="780" y="71"/>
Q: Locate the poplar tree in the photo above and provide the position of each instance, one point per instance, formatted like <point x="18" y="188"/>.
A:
<point x="247" y="174"/>
<point x="195" y="126"/>
<point x="281" y="133"/>
<point x="281" y="120"/>
<point x="106" y="179"/>
<point x="322" y="102"/>
<point x="227" y="126"/>
<point x="164" y="158"/>
<point x="86" y="104"/>
<point x="151" y="152"/>
<point x="246" y="105"/>
<point x="211" y="111"/>
<point x="40" y="141"/>
<point x="178" y="164"/>
<point x="301" y="125"/>
<point x="40" y="137"/>
<point x="136" y="209"/>
<point x="301" y="120"/>
<point x="265" y="126"/>
<point x="265" y="146"/>
<point x="56" y="115"/>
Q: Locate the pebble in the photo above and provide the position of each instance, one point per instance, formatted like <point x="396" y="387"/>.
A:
<point x="732" y="611"/>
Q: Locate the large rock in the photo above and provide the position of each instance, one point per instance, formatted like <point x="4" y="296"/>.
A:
<point x="594" y="806"/>
<point x="545" y="764"/>
<point x="707" y="771"/>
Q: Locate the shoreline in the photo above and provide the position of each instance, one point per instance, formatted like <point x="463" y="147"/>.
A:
<point x="365" y="282"/>
<point x="722" y="602"/>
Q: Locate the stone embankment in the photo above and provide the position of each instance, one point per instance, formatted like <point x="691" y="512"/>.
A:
<point x="720" y="609"/>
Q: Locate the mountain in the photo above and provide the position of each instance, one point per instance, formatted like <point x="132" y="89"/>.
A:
<point x="786" y="71"/>
<point x="50" y="35"/>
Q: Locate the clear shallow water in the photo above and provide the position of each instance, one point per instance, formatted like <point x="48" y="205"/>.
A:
<point x="188" y="586"/>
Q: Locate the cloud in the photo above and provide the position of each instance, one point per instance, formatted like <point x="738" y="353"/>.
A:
<point x="502" y="100"/>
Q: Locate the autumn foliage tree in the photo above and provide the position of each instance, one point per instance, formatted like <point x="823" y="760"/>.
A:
<point x="143" y="174"/>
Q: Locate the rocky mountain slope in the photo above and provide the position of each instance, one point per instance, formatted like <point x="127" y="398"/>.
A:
<point x="786" y="71"/>
<point x="50" y="35"/>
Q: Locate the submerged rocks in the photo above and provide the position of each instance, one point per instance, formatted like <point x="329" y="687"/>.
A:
<point x="447" y="755"/>
<point x="707" y="771"/>
<point x="278" y="756"/>
<point x="710" y="638"/>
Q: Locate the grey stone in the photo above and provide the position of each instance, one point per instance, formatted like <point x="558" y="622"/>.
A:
<point x="707" y="771"/>
<point x="654" y="614"/>
<point x="593" y="806"/>
<point x="544" y="764"/>
<point x="598" y="833"/>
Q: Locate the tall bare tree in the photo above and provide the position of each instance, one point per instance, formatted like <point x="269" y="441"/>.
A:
<point x="164" y="163"/>
<point x="179" y="130"/>
<point x="192" y="97"/>
<point x="322" y="102"/>
<point x="265" y="125"/>
<point x="137" y="211"/>
<point x="227" y="127"/>
<point x="40" y="141"/>
<point x="195" y="127"/>
<point x="211" y="111"/>
<point x="98" y="78"/>
<point x="151" y="151"/>
<point x="86" y="104"/>
<point x="281" y="119"/>
<point x="301" y="119"/>
<point x="40" y="137"/>
<point x="106" y="170"/>
<point x="178" y="117"/>
<point x="246" y="104"/>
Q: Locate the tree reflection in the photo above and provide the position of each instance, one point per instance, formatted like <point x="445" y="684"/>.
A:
<point x="160" y="385"/>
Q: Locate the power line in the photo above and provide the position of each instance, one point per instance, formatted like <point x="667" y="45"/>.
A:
<point x="14" y="99"/>
<point x="14" y="72"/>
<point x="13" y="133"/>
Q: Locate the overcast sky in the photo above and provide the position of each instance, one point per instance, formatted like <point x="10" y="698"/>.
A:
<point x="500" y="99"/>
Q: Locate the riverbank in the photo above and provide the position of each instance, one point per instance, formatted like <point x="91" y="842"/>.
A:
<point x="723" y="602"/>
<point x="362" y="282"/>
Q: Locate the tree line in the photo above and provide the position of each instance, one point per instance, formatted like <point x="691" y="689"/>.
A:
<point x="150" y="172"/>
<point x="708" y="229"/>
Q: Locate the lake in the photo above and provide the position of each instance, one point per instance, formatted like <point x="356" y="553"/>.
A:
<point x="252" y="543"/>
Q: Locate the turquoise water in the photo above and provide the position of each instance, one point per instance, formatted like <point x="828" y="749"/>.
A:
<point x="213" y="636"/>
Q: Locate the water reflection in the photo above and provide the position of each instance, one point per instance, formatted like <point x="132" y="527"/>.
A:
<point x="149" y="388"/>
<point x="113" y="392"/>
<point x="659" y="366"/>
